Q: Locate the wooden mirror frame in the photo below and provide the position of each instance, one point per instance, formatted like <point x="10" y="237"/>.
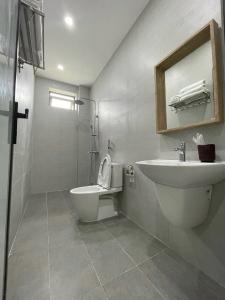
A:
<point x="210" y="32"/>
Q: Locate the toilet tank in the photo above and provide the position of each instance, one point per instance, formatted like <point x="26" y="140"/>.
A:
<point x="117" y="175"/>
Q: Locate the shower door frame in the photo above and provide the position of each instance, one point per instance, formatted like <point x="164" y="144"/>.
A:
<point x="11" y="136"/>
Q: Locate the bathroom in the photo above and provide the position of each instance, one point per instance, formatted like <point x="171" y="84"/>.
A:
<point x="104" y="193"/>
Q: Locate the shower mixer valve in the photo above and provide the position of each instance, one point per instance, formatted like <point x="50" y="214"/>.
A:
<point x="110" y="145"/>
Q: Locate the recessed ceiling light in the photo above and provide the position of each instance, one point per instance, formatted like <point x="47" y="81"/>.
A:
<point x="69" y="21"/>
<point x="60" y="67"/>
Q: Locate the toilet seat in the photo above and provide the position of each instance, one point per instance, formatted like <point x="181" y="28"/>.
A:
<point x="104" y="174"/>
<point x="95" y="189"/>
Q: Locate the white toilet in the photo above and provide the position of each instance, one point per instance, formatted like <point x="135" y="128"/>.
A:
<point x="97" y="202"/>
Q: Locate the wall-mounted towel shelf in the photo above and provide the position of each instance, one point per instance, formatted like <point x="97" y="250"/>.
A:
<point x="31" y="36"/>
<point x="186" y="104"/>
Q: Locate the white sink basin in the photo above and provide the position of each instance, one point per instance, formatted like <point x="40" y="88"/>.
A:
<point x="183" y="174"/>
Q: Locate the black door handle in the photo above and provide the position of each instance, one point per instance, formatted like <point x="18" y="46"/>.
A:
<point x="23" y="116"/>
<point x="16" y="116"/>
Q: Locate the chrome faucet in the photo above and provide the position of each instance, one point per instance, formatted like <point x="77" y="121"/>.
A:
<point x="182" y="151"/>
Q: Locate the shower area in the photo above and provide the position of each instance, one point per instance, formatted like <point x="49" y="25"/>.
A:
<point x="87" y="129"/>
<point x="65" y="141"/>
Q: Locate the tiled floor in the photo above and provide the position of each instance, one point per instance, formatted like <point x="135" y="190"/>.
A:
<point x="56" y="258"/>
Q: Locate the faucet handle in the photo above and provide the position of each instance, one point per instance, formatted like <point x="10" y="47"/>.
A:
<point x="181" y="147"/>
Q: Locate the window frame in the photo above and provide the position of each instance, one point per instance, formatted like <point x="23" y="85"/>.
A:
<point x="63" y="96"/>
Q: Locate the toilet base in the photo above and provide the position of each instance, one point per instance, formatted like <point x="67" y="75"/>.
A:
<point x="93" y="203"/>
<point x="106" y="208"/>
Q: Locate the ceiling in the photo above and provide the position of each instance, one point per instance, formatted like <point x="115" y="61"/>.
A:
<point x="84" y="50"/>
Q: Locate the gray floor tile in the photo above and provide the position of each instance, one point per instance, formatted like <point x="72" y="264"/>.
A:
<point x="90" y="227"/>
<point x="31" y="235"/>
<point x="77" y="251"/>
<point x="56" y="204"/>
<point x="72" y="287"/>
<point x="59" y="221"/>
<point x="177" y="279"/>
<point x="140" y="246"/>
<point x="132" y="285"/>
<point x="71" y="274"/>
<point x="36" y="198"/>
<point x="28" y="276"/>
<point x="55" y="197"/>
<point x="37" y="290"/>
<point x="75" y="222"/>
<point x="68" y="258"/>
<point x="110" y="261"/>
<point x="64" y="236"/>
<point x="114" y="220"/>
<point x="32" y="241"/>
<point x="66" y="195"/>
<point x="207" y="286"/>
<point x="95" y="241"/>
<point x="36" y="208"/>
<point x="107" y="256"/>
<point x="62" y="219"/>
<point x="62" y="231"/>
<point x="96" y="294"/>
<point x="123" y="228"/>
<point x="26" y="266"/>
<point x="68" y="200"/>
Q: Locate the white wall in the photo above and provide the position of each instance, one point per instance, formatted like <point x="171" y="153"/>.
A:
<point x="22" y="150"/>
<point x="58" y="141"/>
<point x="126" y="94"/>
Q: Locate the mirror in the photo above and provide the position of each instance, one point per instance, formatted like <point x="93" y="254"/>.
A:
<point x="189" y="83"/>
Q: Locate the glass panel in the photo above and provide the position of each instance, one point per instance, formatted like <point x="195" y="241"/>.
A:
<point x="8" y="25"/>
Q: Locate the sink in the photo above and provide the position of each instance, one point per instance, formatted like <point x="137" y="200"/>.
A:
<point x="183" y="189"/>
<point x="183" y="174"/>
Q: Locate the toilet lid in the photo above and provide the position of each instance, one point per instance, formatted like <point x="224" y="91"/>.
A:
<point x="104" y="174"/>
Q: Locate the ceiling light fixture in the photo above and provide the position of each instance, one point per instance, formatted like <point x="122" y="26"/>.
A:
<point x="60" y="67"/>
<point x="69" y="21"/>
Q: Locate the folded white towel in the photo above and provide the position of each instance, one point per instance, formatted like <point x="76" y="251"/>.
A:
<point x="174" y="100"/>
<point x="194" y="89"/>
<point x="191" y="86"/>
<point x="195" y="95"/>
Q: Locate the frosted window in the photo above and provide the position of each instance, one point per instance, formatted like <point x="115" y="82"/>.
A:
<point x="62" y="101"/>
